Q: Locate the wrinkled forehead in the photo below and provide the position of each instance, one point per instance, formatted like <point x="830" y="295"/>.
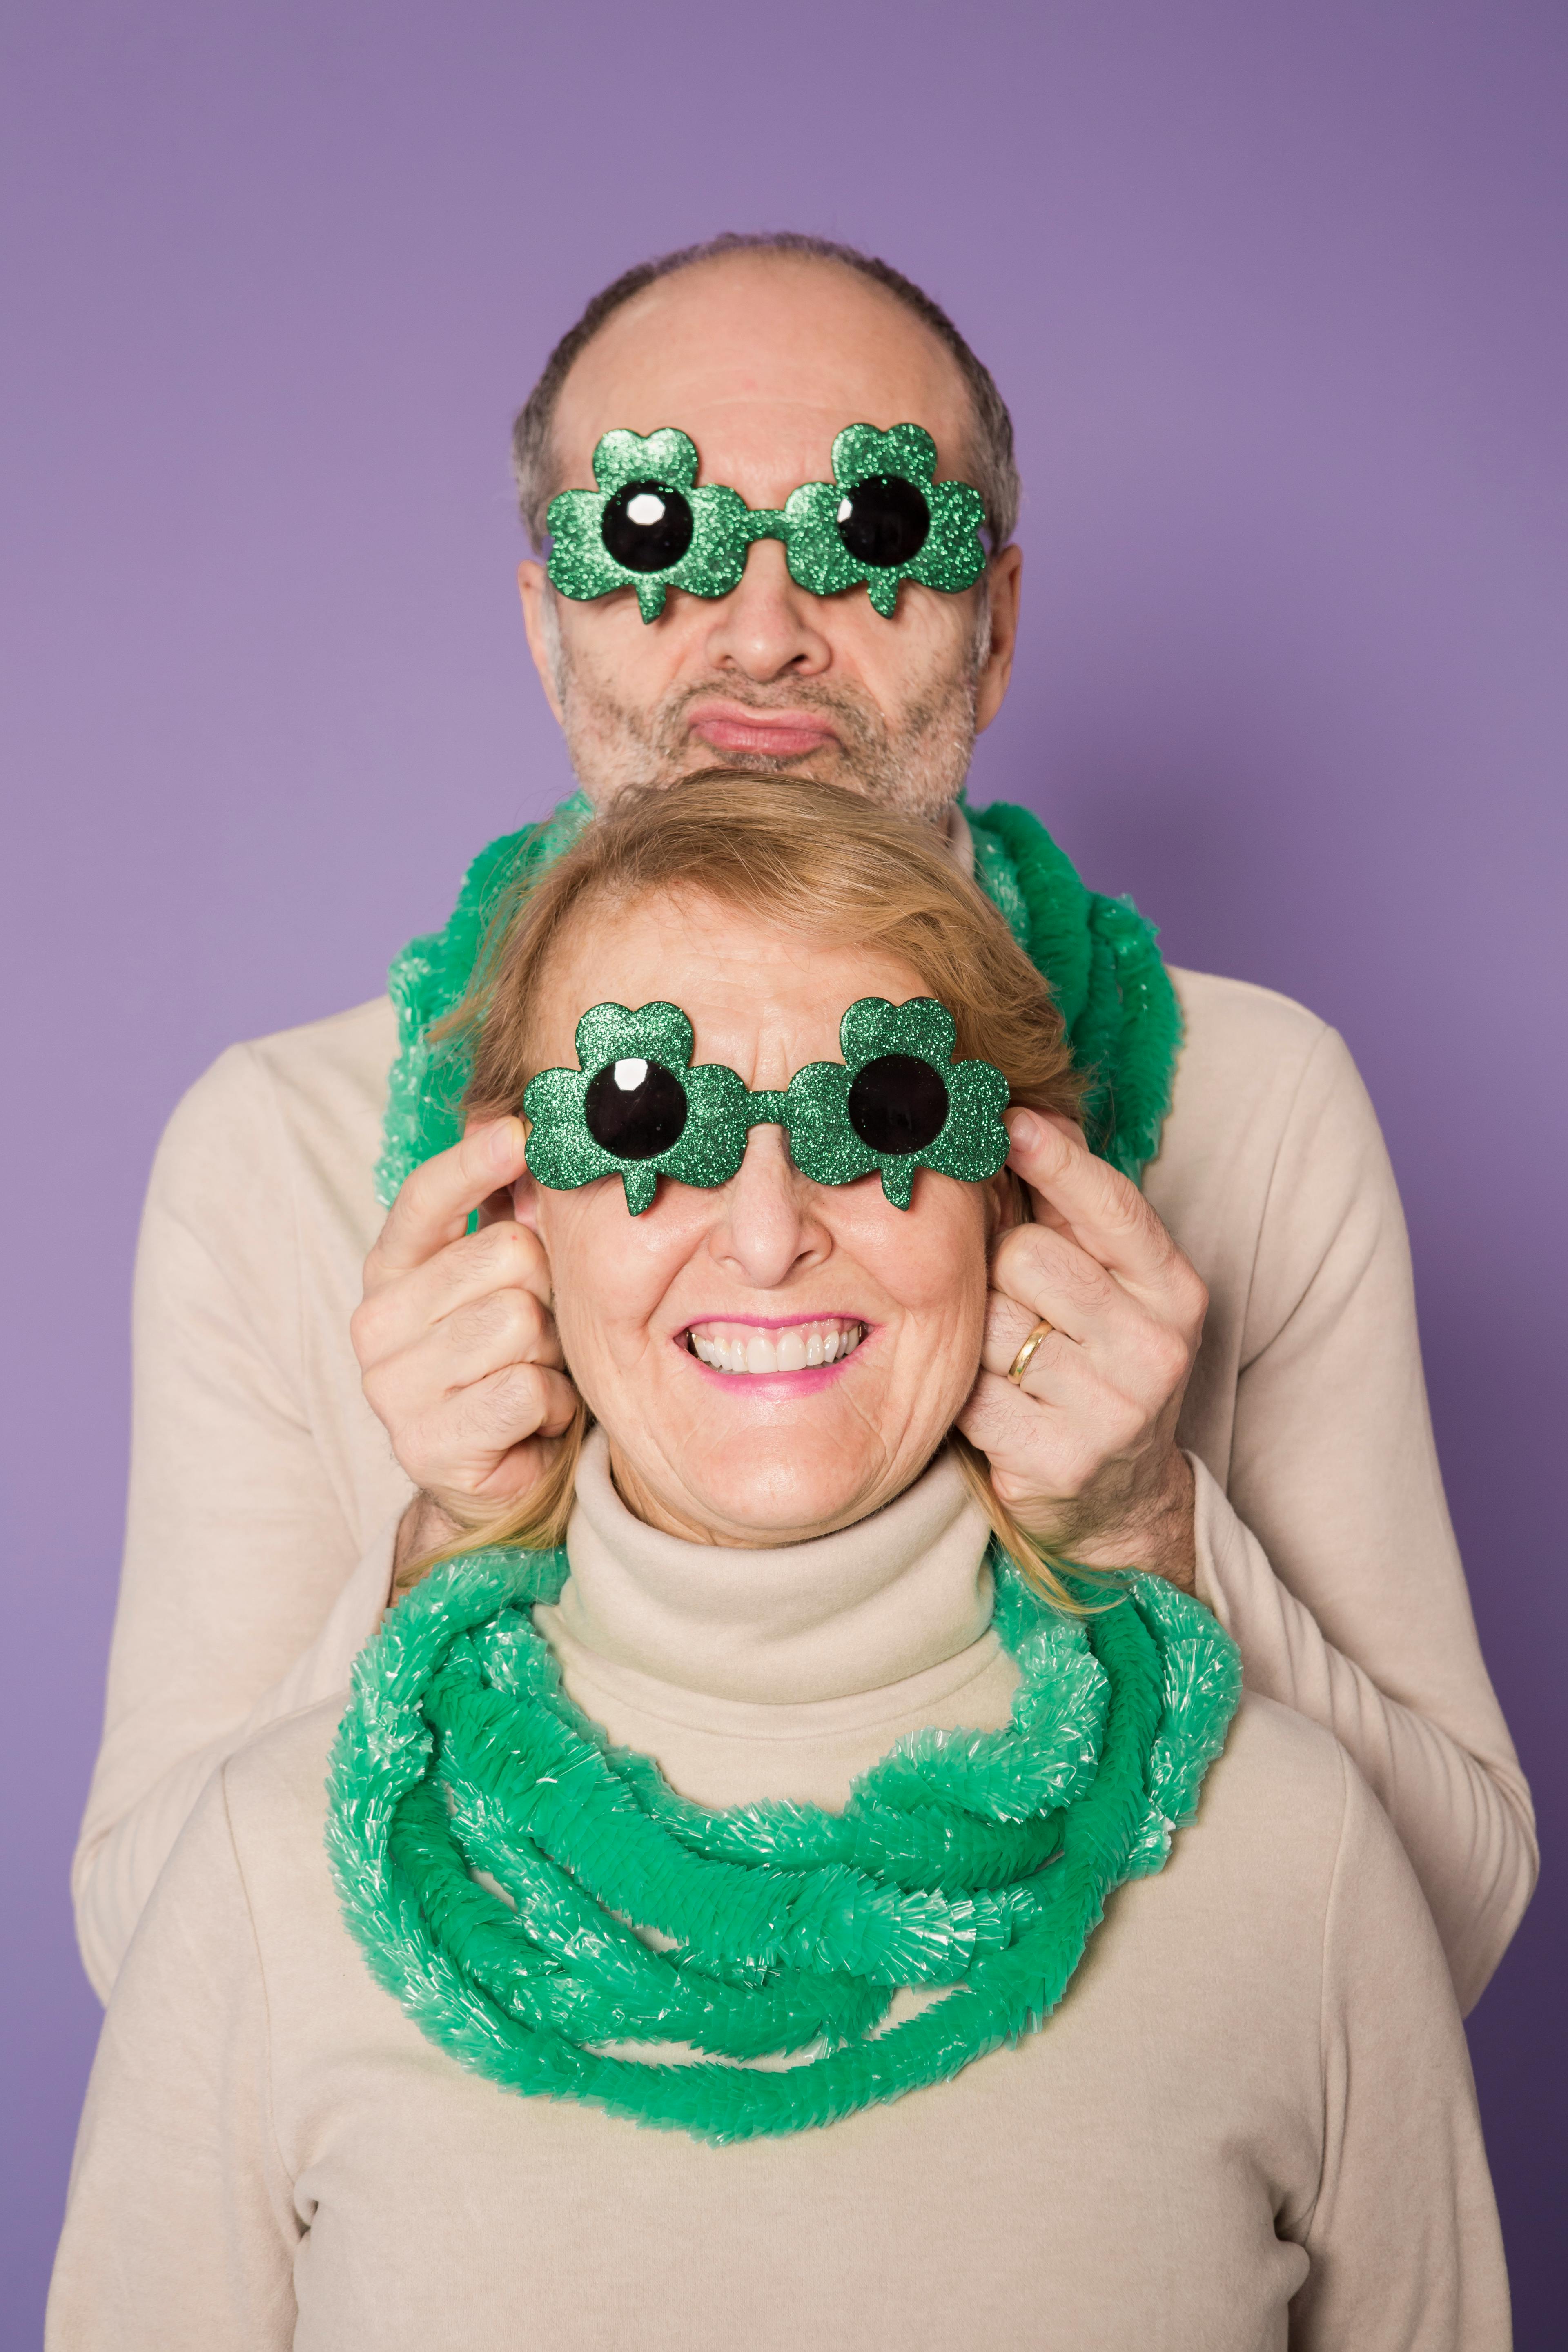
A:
<point x="762" y="997"/>
<point x="762" y="361"/>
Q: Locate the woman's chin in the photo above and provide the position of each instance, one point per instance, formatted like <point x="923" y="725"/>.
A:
<point x="765" y="1487"/>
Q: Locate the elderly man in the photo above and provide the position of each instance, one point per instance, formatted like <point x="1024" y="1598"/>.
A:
<point x="1217" y="1376"/>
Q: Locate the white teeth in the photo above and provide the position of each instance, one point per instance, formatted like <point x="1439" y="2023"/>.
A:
<point x="742" y="1348"/>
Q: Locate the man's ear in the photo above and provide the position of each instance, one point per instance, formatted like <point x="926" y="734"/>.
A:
<point x="1003" y="580"/>
<point x="533" y="587"/>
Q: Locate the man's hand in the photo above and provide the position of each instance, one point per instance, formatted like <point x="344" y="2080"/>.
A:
<point x="1083" y="1451"/>
<point x="456" y="1340"/>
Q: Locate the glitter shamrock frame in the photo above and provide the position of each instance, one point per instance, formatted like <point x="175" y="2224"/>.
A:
<point x="636" y="1081"/>
<point x="825" y="1142"/>
<point x="951" y="556"/>
<point x="711" y="1141"/>
<point x="581" y="564"/>
<point x="883" y="519"/>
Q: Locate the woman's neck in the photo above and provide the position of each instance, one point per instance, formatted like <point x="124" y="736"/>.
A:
<point x="900" y="1593"/>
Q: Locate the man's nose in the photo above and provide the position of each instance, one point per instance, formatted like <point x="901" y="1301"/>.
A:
<point x="768" y="1229"/>
<point x="768" y="627"/>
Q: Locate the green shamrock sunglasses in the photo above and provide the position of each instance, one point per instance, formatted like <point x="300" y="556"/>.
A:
<point x="880" y="519"/>
<point x="638" y="1109"/>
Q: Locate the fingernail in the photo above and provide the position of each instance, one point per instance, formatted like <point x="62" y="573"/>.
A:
<point x="1025" y="1130"/>
<point x="503" y="1142"/>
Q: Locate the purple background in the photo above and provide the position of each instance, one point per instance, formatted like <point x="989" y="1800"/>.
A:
<point x="1276" y="294"/>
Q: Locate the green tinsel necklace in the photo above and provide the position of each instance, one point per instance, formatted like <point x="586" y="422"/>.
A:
<point x="1098" y="954"/>
<point x="978" y="1862"/>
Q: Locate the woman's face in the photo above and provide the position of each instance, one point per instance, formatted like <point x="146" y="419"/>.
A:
<point x="768" y="1271"/>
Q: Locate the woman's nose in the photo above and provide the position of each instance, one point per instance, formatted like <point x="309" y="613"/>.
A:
<point x="767" y="627"/>
<point x="767" y="1229"/>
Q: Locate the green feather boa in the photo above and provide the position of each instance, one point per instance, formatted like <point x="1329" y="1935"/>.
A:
<point x="1098" y="954"/>
<point x="978" y="1862"/>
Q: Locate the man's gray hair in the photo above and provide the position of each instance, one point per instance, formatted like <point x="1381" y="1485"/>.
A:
<point x="995" y="472"/>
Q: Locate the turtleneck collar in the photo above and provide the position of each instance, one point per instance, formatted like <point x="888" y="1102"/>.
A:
<point x="898" y="1594"/>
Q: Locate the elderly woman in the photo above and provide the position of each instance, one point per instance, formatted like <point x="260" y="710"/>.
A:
<point x="754" y="1898"/>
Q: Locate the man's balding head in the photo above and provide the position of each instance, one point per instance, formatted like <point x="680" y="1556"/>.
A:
<point x="991" y="464"/>
<point x="762" y="350"/>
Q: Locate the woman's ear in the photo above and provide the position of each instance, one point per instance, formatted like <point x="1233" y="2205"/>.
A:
<point x="1006" y="1204"/>
<point x="525" y="1203"/>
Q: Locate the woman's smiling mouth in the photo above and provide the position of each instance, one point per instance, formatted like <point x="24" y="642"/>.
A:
<point x="758" y="1348"/>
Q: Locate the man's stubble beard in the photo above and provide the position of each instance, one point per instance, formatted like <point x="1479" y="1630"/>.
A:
<point x="917" y="768"/>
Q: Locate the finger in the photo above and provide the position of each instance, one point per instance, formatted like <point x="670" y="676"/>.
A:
<point x="1098" y="1329"/>
<point x="399" y="1310"/>
<point x="436" y="1203"/>
<point x="520" y="1468"/>
<point x="504" y="1327"/>
<point x="1045" y="1275"/>
<point x="1007" y="1325"/>
<point x="454" y="1449"/>
<point x="1098" y="1208"/>
<point x="1050" y="1447"/>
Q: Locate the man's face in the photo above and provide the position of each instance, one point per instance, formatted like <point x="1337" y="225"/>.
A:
<point x="762" y="360"/>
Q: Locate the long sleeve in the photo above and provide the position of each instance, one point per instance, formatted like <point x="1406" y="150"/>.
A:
<point x="181" y="2228"/>
<point x="1402" y="2237"/>
<point x="1324" y="1541"/>
<point x="264" y="1498"/>
<point x="1465" y="1823"/>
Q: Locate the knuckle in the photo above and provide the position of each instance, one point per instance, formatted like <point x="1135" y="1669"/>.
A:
<point x="1125" y="1427"/>
<point x="524" y="1383"/>
<point x="364" y="1325"/>
<point x="478" y="1323"/>
<point x="1083" y="1283"/>
<point x="508" y="1320"/>
<point x="1193" y="1295"/>
<point x="418" y="1448"/>
<point x="512" y="1250"/>
<point x="494" y="1246"/>
<point x="1169" y="1357"/>
<point x="500" y="1410"/>
<point x="1009" y="1259"/>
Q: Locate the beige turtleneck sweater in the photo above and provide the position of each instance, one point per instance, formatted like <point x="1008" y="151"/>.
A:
<point x="1250" y="2123"/>
<point x="264" y="1494"/>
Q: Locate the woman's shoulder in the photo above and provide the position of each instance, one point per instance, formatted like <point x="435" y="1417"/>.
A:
<point x="1277" y="1766"/>
<point x="1288" y="1828"/>
<point x="275" y="1785"/>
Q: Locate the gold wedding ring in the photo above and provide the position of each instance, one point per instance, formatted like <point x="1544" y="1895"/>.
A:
<point x="1025" y="1355"/>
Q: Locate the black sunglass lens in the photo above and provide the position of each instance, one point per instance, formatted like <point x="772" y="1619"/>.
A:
<point x="897" y="1103"/>
<point x="646" y="527"/>
<point x="636" y="1110"/>
<point x="883" y="521"/>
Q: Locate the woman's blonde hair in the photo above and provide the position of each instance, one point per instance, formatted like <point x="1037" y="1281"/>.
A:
<point x="815" y="859"/>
